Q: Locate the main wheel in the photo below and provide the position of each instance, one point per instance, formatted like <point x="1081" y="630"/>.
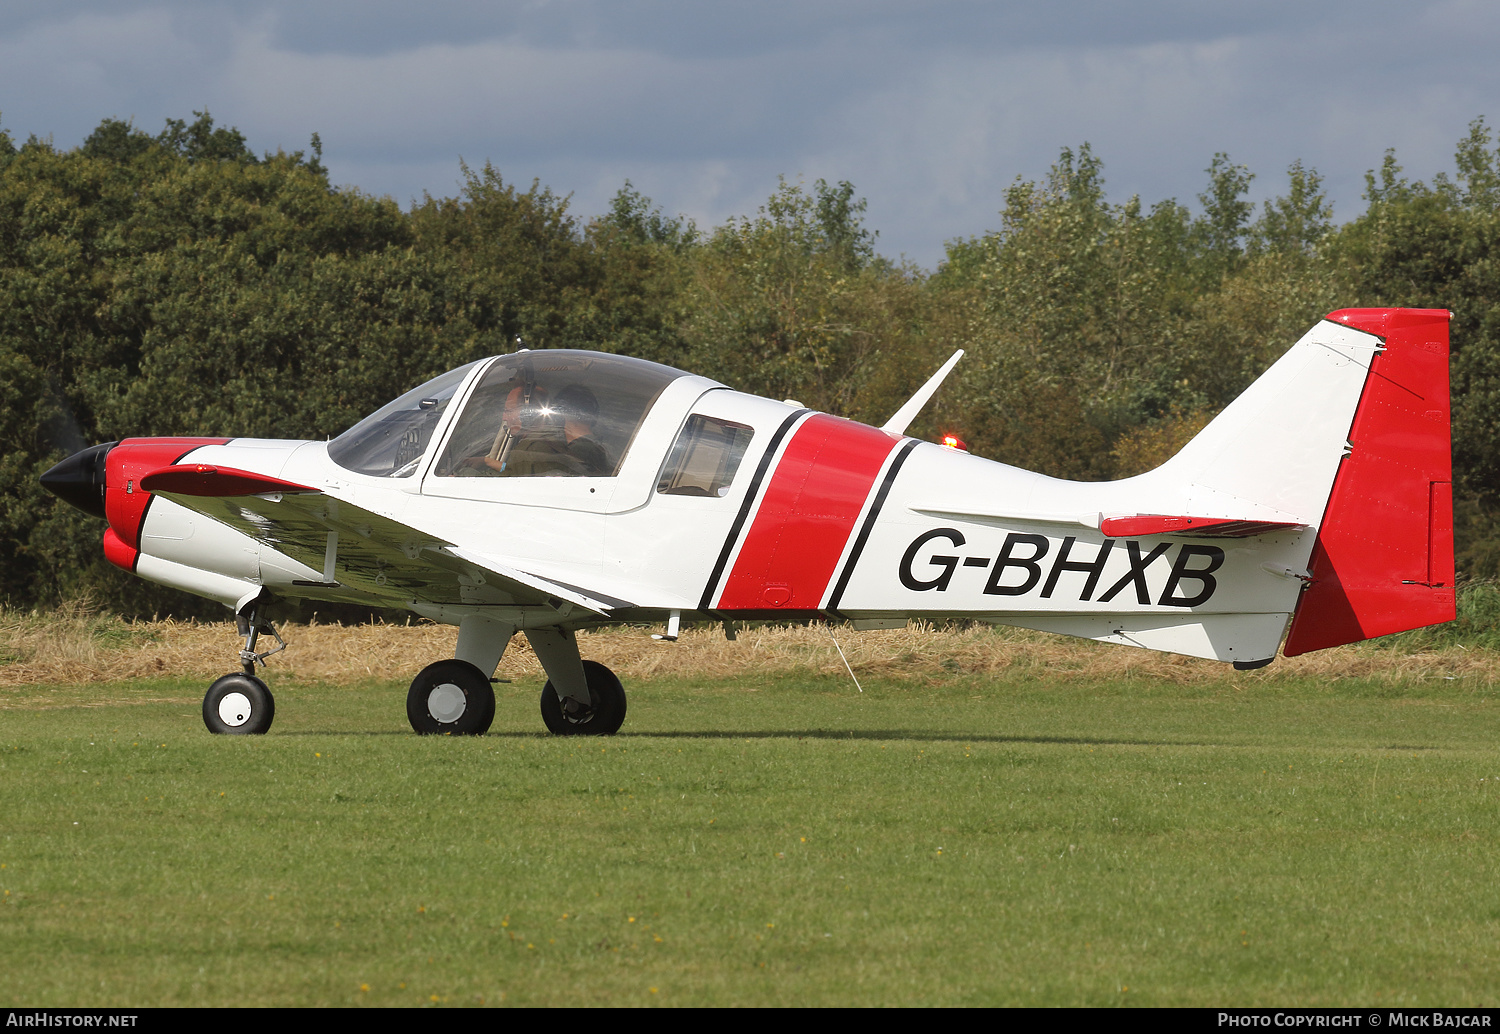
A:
<point x="450" y="697"/>
<point x="238" y="705"/>
<point x="603" y="716"/>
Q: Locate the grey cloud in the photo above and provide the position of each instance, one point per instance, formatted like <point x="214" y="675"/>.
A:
<point x="691" y="28"/>
<point x="931" y="109"/>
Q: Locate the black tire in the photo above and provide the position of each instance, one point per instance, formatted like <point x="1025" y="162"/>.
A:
<point x="603" y="718"/>
<point x="451" y="698"/>
<point x="238" y="705"/>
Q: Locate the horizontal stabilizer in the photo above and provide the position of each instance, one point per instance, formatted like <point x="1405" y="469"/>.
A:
<point x="1197" y="527"/>
<point x="1137" y="526"/>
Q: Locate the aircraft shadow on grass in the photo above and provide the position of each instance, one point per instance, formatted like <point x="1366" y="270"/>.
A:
<point x="911" y="735"/>
<point x="915" y="735"/>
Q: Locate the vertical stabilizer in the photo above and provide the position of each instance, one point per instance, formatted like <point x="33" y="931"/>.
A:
<point x="1383" y="561"/>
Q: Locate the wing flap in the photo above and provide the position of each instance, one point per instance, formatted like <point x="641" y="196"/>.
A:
<point x="588" y="599"/>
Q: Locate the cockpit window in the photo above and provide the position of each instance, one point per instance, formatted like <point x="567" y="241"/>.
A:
<point x="553" y="413"/>
<point x="390" y="441"/>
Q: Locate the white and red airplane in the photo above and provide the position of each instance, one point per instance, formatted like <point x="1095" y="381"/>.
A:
<point x="548" y="491"/>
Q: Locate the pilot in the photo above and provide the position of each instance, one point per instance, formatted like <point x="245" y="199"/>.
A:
<point x="525" y="407"/>
<point x="524" y="415"/>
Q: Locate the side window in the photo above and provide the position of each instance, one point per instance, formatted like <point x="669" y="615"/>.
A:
<point x="704" y="458"/>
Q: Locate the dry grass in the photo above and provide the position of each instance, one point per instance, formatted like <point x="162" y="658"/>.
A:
<point x="77" y="646"/>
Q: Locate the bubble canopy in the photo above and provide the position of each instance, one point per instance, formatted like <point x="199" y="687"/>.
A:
<point x="548" y="413"/>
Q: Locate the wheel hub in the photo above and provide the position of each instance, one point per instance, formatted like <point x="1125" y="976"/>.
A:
<point x="234" y="709"/>
<point x="576" y="713"/>
<point x="446" y="703"/>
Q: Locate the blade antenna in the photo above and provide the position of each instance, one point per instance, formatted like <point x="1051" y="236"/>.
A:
<point x="907" y="413"/>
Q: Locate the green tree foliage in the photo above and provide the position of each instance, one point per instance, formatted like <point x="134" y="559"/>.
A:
<point x="1226" y="214"/>
<point x="637" y="305"/>
<point x="1102" y="331"/>
<point x="1438" y="246"/>
<point x="180" y="283"/>
<point x="515" y="253"/>
<point x="1072" y="305"/>
<point x="793" y="303"/>
<point x="1298" y="221"/>
<point x="1251" y="305"/>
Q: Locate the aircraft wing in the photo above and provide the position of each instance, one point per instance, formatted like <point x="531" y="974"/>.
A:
<point x="352" y="546"/>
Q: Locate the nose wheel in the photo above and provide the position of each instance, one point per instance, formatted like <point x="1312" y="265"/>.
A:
<point x="238" y="705"/>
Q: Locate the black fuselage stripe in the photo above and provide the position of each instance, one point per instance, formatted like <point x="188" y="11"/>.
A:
<point x="744" y="514"/>
<point x="869" y="524"/>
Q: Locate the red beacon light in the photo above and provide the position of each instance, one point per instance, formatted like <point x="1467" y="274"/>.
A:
<point x="952" y="441"/>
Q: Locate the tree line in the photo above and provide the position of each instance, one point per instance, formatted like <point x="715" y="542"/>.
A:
<point x="181" y="284"/>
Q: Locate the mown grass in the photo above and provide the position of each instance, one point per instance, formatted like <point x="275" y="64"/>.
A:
<point x="767" y="840"/>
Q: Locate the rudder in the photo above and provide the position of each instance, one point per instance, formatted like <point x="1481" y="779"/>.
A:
<point x="1383" y="560"/>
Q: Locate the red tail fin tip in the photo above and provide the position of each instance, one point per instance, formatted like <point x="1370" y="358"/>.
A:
<point x="1383" y="561"/>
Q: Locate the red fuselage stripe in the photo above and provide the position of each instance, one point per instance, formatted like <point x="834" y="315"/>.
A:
<point x="806" y="516"/>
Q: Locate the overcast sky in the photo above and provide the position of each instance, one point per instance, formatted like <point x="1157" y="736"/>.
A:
<point x="930" y="108"/>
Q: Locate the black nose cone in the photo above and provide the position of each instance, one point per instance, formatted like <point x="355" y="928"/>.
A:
<point x="79" y="479"/>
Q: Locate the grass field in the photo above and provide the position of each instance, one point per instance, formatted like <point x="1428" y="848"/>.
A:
<point x="997" y="819"/>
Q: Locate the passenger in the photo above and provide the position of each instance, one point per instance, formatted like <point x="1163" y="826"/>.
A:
<point x="580" y="411"/>
<point x="536" y="438"/>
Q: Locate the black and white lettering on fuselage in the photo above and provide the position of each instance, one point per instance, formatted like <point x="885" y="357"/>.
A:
<point x="1027" y="565"/>
<point x="1228" y="599"/>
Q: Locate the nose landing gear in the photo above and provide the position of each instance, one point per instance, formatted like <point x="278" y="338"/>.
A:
<point x="240" y="704"/>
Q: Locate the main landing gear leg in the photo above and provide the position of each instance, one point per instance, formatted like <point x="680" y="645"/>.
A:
<point x="454" y="698"/>
<point x="240" y="704"/>
<point x="581" y="698"/>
